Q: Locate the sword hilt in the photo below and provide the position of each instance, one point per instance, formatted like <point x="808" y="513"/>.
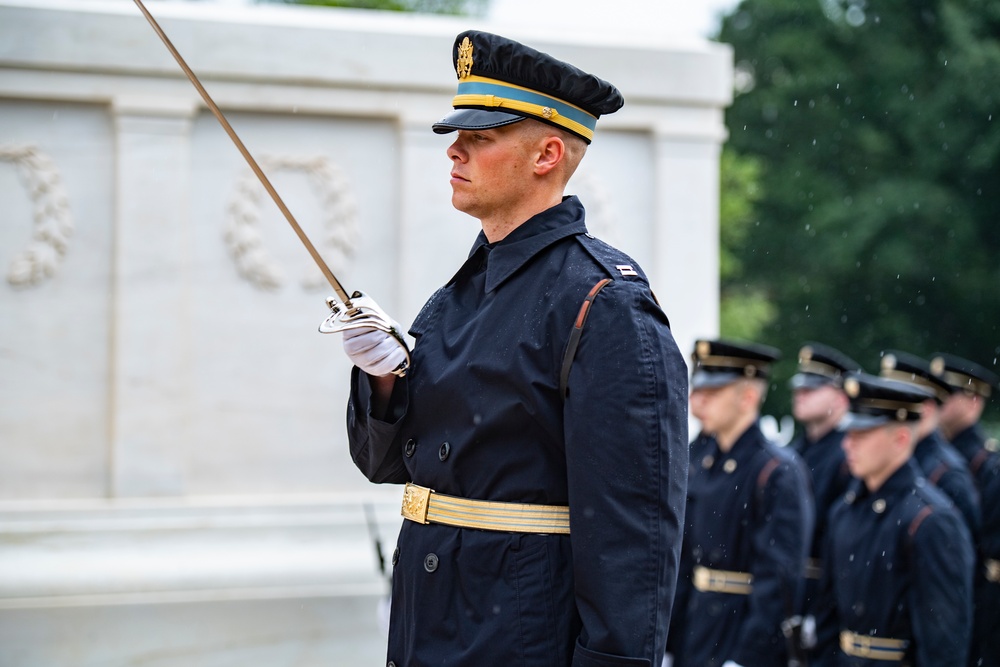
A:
<point x="361" y="312"/>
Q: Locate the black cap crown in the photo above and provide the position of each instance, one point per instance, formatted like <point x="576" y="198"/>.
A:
<point x="821" y="365"/>
<point x="720" y="362"/>
<point x="964" y="375"/>
<point x="878" y="400"/>
<point x="501" y="81"/>
<point x="907" y="367"/>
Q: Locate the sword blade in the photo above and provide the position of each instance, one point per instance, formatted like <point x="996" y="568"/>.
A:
<point x="214" y="108"/>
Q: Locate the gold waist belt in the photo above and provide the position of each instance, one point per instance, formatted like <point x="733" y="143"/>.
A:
<point x="992" y="570"/>
<point x="722" y="581"/>
<point x="424" y="505"/>
<point x="873" y="648"/>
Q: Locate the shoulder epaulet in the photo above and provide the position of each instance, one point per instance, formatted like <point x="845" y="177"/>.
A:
<point x="615" y="262"/>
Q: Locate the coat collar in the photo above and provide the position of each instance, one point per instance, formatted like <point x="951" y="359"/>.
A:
<point x="901" y="481"/>
<point x="537" y="233"/>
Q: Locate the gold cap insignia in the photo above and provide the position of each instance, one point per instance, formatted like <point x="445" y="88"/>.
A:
<point x="851" y="387"/>
<point x="805" y="354"/>
<point x="703" y="349"/>
<point x="937" y="366"/>
<point x="463" y="65"/>
<point x="888" y="362"/>
<point x="750" y="370"/>
<point x="901" y="414"/>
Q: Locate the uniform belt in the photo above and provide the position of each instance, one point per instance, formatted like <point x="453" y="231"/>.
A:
<point x="424" y="505"/>
<point x="722" y="581"/>
<point x="992" y="570"/>
<point x="813" y="569"/>
<point x="873" y="648"/>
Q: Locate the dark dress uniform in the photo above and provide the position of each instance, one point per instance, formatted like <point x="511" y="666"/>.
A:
<point x="829" y="479"/>
<point x="749" y="519"/>
<point x="946" y="469"/>
<point x="899" y="559"/>
<point x="821" y="365"/>
<point x="750" y="512"/>
<point x="941" y="463"/>
<point x="900" y="562"/>
<point x="481" y="416"/>
<point x="983" y="460"/>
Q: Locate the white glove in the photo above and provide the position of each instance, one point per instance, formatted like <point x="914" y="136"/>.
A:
<point x="373" y="351"/>
<point x="668" y="660"/>
<point x="730" y="663"/>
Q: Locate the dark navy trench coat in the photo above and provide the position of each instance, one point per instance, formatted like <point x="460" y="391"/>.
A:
<point x="480" y="416"/>
<point x="899" y="566"/>
<point x="750" y="510"/>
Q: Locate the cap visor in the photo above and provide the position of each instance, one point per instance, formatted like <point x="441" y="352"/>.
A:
<point x="853" y="421"/>
<point x="703" y="380"/>
<point x="808" y="381"/>
<point x="474" y="119"/>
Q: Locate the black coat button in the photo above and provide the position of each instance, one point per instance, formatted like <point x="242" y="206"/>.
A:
<point x="410" y="447"/>
<point x="395" y="557"/>
<point x="444" y="451"/>
<point x="430" y="562"/>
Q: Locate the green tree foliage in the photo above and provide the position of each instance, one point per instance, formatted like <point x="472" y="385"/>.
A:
<point x="459" y="7"/>
<point x="745" y="310"/>
<point x="876" y="130"/>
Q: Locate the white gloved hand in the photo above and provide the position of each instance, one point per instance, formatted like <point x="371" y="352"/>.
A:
<point x="730" y="663"/>
<point x="668" y="660"/>
<point x="373" y="351"/>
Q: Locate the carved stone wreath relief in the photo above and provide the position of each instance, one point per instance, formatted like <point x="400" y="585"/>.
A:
<point x="336" y="201"/>
<point x="52" y="224"/>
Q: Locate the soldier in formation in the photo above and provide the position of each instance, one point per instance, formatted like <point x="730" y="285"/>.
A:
<point x="749" y="520"/>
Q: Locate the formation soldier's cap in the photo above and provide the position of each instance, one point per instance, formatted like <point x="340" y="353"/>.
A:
<point x="501" y="81"/>
<point x="910" y="368"/>
<point x="876" y="401"/>
<point x="721" y="362"/>
<point x="821" y="365"/>
<point x="964" y="375"/>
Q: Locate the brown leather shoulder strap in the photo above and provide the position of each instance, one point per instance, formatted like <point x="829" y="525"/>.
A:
<point x="574" y="336"/>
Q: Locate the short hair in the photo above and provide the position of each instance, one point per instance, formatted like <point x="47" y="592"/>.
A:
<point x="576" y="147"/>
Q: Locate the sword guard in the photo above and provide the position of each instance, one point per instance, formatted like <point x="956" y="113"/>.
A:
<point x="361" y="312"/>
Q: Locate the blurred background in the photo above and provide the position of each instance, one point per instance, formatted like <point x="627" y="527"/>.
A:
<point x="175" y="486"/>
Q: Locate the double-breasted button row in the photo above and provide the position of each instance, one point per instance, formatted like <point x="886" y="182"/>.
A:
<point x="410" y="448"/>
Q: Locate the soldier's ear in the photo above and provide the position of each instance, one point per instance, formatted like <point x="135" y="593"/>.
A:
<point x="551" y="152"/>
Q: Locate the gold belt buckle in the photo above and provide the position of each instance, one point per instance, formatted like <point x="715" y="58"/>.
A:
<point x="415" y="502"/>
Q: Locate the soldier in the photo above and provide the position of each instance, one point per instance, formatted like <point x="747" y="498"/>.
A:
<point x="972" y="386"/>
<point x="819" y="404"/>
<point x="940" y="462"/>
<point x="749" y="520"/>
<point x="544" y="461"/>
<point x="898" y="555"/>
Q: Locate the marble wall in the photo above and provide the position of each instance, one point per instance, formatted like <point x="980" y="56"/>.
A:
<point x="171" y="422"/>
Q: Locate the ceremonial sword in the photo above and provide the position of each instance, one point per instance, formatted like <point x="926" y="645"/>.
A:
<point x="355" y="312"/>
